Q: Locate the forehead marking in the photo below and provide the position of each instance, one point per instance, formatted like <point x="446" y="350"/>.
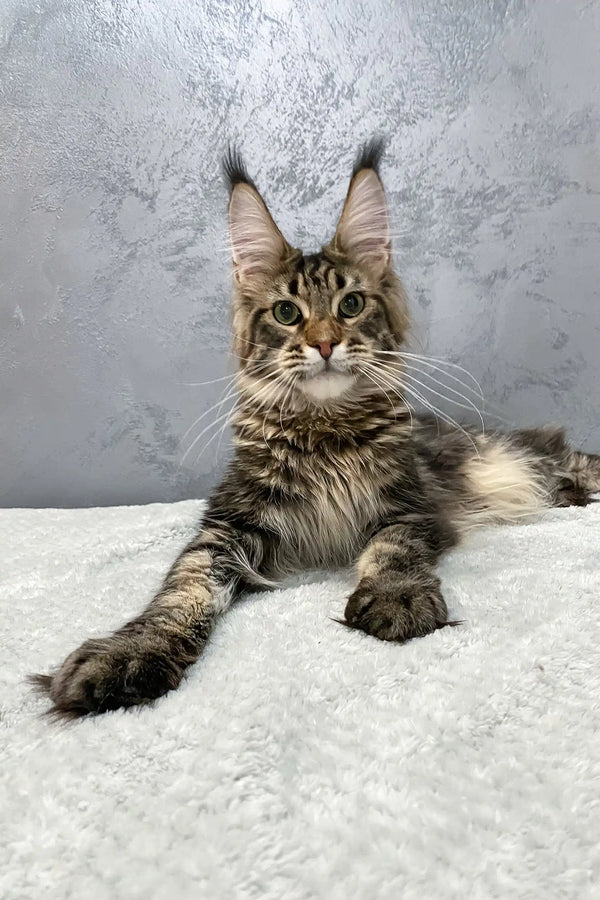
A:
<point x="315" y="281"/>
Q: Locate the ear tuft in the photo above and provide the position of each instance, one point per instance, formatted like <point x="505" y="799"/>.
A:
<point x="363" y="232"/>
<point x="369" y="155"/>
<point x="234" y="168"/>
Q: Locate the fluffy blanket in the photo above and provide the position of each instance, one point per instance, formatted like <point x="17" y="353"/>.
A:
<point x="301" y="759"/>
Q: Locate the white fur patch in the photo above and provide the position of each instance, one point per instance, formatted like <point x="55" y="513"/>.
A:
<point x="327" y="385"/>
<point x="505" y="484"/>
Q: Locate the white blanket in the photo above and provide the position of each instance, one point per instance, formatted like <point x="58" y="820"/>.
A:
<point x="301" y="759"/>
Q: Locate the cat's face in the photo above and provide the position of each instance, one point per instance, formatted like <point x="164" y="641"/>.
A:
<point x="314" y="328"/>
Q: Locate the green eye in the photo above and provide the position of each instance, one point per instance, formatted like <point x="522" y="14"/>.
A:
<point x="351" y="305"/>
<point x="287" y="312"/>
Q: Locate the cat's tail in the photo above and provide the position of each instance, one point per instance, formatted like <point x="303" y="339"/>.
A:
<point x="581" y="479"/>
<point x="572" y="476"/>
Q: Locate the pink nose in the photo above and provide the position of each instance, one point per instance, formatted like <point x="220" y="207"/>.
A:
<point x="325" y="348"/>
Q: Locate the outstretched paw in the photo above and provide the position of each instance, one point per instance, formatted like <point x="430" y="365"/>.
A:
<point x="397" y="608"/>
<point x="118" y="671"/>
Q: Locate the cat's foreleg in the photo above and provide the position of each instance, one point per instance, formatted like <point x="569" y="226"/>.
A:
<point x="148" y="656"/>
<point x="398" y="595"/>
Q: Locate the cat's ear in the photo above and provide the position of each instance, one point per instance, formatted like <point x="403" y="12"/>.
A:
<point x="257" y="245"/>
<point x="363" y="232"/>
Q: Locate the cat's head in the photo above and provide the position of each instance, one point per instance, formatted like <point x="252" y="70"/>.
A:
<point x="314" y="328"/>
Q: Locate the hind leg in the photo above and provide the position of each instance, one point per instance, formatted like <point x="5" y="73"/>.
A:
<point x="582" y="478"/>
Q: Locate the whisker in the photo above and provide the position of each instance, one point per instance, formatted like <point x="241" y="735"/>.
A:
<point x="204" y="430"/>
<point x="268" y="386"/>
<point x="432" y="359"/>
<point x="262" y="346"/>
<point x="436" y="368"/>
<point x="284" y="378"/>
<point x="204" y="383"/>
<point x="490" y="408"/>
<point x="375" y="369"/>
<point x="372" y="377"/>
<point x="228" y="416"/>
<point x="229" y="392"/>
<point x="228" y="395"/>
<point x="469" y="405"/>
<point x="293" y="380"/>
<point x="222" y="430"/>
<point x="438" y="413"/>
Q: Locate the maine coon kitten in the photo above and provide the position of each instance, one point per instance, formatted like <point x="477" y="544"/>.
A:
<point x="329" y="467"/>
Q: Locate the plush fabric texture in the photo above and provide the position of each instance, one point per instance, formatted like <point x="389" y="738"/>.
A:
<point x="300" y="758"/>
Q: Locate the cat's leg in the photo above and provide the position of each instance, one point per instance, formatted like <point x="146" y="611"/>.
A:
<point x="580" y="480"/>
<point x="148" y="656"/>
<point x="398" y="594"/>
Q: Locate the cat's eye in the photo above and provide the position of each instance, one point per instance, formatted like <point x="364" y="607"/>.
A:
<point x="351" y="305"/>
<point x="286" y="312"/>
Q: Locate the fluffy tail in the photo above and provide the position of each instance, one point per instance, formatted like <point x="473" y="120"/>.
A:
<point x="581" y="479"/>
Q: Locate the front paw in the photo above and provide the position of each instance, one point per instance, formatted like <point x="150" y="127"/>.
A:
<point x="118" y="671"/>
<point x="397" y="607"/>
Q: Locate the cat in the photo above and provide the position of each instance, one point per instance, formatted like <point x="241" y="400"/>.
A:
<point x="331" y="466"/>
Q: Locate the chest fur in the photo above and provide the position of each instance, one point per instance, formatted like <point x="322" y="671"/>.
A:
<point x="333" y="501"/>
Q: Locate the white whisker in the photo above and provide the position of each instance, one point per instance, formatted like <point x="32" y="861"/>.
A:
<point x="366" y="370"/>
<point x="228" y="417"/>
<point x="432" y="359"/>
<point x="229" y="392"/>
<point x="438" y="413"/>
<point x="436" y="368"/>
<point x="426" y="387"/>
<point x="468" y="405"/>
<point x="204" y="383"/>
<point x="293" y="380"/>
<point x="374" y="369"/>
<point x="204" y="430"/>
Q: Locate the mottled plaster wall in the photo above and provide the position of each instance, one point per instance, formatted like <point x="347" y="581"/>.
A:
<point x="114" y="270"/>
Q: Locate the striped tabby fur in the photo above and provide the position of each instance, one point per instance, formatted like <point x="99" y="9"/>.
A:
<point x="330" y="467"/>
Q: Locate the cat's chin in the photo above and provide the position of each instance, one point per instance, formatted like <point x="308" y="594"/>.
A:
<point x="327" y="386"/>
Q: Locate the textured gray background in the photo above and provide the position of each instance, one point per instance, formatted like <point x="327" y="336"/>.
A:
<point x="114" y="270"/>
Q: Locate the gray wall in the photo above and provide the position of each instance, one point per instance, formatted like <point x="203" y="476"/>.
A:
<point x="114" y="269"/>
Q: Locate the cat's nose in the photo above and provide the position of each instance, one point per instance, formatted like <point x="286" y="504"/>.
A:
<point x="325" y="348"/>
